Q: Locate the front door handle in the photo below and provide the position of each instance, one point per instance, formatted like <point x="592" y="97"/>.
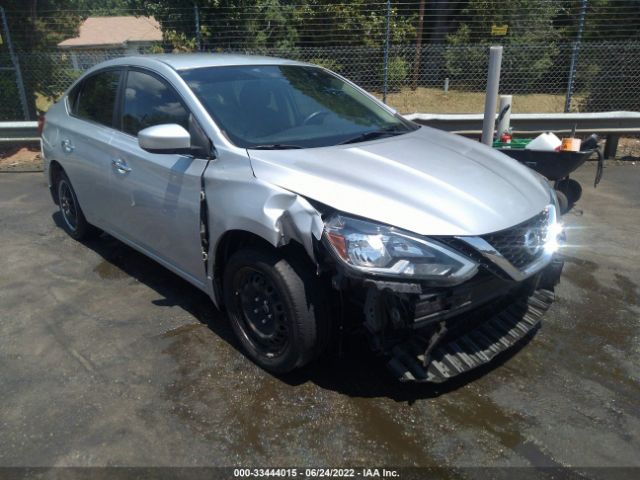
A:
<point x="121" y="166"/>
<point x="67" y="146"/>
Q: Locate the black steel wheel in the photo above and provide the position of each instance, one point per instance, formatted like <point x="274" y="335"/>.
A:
<point x="276" y="308"/>
<point x="261" y="310"/>
<point x="73" y="220"/>
<point x="68" y="205"/>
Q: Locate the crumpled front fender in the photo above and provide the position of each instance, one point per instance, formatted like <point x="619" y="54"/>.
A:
<point x="240" y="202"/>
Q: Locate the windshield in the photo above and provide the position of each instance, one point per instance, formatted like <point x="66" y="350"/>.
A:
<point x="285" y="106"/>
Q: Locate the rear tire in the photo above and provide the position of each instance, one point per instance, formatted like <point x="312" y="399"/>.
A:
<point x="73" y="220"/>
<point x="276" y="308"/>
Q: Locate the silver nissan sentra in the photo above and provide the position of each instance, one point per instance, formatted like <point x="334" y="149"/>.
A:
<point x="307" y="209"/>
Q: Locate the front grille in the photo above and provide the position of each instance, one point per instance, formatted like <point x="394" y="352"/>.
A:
<point x="467" y="250"/>
<point x="511" y="243"/>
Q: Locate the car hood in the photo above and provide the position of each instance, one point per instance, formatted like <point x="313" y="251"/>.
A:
<point x="427" y="181"/>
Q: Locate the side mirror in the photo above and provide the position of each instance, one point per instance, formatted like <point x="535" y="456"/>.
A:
<point x="166" y="138"/>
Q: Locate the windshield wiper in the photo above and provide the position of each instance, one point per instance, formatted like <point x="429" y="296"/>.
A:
<point x="275" y="146"/>
<point x="373" y="134"/>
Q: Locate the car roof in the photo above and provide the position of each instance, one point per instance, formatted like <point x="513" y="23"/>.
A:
<point x="184" y="61"/>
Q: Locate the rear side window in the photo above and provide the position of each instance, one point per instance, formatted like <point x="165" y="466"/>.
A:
<point x="97" y="97"/>
<point x="72" y="99"/>
<point x="149" y="101"/>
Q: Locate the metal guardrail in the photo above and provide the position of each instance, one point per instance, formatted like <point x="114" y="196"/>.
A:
<point x="471" y="124"/>
<point x="611" y="124"/>
<point x="19" y="132"/>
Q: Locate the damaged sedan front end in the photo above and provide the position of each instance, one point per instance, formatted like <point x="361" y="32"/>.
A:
<point x="445" y="249"/>
<point x="439" y="307"/>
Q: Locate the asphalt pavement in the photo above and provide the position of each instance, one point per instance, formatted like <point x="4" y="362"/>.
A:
<point x="107" y="359"/>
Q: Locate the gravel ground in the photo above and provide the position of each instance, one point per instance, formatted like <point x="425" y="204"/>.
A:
<point x="20" y="159"/>
<point x="108" y="359"/>
<point x="629" y="148"/>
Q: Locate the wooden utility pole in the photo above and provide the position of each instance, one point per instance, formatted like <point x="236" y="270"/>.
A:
<point x="416" y="63"/>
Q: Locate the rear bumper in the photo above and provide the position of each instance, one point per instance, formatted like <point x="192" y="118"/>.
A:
<point x="477" y="346"/>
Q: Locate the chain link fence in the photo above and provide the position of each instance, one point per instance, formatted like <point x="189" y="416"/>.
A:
<point x="10" y="108"/>
<point x="450" y="79"/>
<point x="554" y="59"/>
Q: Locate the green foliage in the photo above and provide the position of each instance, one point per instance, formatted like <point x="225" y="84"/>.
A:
<point x="597" y="75"/>
<point x="10" y="104"/>
<point x="612" y="18"/>
<point x="397" y="73"/>
<point x="279" y="25"/>
<point x="33" y="33"/>
<point x="286" y="28"/>
<point x="461" y="55"/>
<point x="274" y="26"/>
<point x="356" y="23"/>
<point x="530" y="24"/>
<point x="226" y="24"/>
<point x="58" y="83"/>
<point x="179" y="41"/>
<point x="328" y="63"/>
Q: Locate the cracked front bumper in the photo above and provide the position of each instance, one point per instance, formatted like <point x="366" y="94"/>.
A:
<point x="441" y="333"/>
<point x="473" y="348"/>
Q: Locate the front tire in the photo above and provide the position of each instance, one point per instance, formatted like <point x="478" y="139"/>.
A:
<point x="276" y="308"/>
<point x="73" y="220"/>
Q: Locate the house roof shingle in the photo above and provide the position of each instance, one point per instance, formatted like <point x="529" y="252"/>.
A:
<point x="114" y="31"/>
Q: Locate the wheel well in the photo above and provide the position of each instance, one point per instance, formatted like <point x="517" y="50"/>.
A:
<point x="231" y="242"/>
<point x="235" y="240"/>
<point x="54" y="171"/>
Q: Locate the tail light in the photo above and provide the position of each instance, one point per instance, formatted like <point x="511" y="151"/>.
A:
<point x="41" y="120"/>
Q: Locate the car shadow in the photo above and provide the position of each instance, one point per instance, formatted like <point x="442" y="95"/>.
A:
<point x="121" y="260"/>
<point x="351" y="369"/>
<point x="357" y="372"/>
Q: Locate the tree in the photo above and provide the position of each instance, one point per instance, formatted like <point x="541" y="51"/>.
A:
<point x="36" y="27"/>
<point x="30" y="34"/>
<point x="530" y="43"/>
<point x="277" y="24"/>
<point x="225" y="24"/>
<point x="611" y="20"/>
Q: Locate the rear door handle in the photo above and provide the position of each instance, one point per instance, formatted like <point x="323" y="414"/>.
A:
<point x="121" y="166"/>
<point x="67" y="146"/>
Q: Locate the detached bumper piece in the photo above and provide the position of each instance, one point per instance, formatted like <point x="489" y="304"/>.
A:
<point x="473" y="348"/>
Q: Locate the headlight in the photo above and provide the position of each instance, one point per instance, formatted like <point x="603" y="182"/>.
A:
<point x="385" y="251"/>
<point x="554" y="235"/>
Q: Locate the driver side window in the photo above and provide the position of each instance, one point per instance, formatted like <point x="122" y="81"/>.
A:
<point x="149" y="101"/>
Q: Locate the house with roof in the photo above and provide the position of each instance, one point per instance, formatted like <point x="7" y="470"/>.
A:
<point x="111" y="36"/>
